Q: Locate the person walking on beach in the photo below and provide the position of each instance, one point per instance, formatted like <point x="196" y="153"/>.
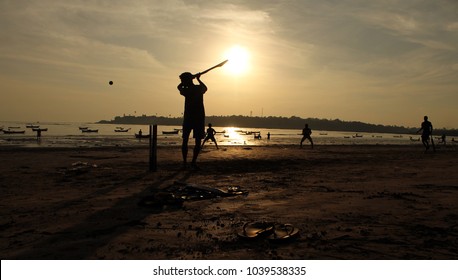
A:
<point x="210" y="136"/>
<point x="427" y="131"/>
<point x="194" y="114"/>
<point x="306" y="134"/>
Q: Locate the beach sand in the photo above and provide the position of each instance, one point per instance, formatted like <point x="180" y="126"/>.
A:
<point x="349" y="202"/>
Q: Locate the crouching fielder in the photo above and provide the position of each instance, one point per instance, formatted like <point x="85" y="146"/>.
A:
<point x="306" y="132"/>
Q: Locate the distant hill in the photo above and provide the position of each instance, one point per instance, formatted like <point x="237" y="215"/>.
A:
<point x="278" y="122"/>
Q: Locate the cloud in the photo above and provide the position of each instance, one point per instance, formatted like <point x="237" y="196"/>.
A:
<point x="72" y="33"/>
<point x="452" y="27"/>
<point x="333" y="48"/>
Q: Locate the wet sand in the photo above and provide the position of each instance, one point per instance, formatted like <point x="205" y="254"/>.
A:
<point x="349" y="202"/>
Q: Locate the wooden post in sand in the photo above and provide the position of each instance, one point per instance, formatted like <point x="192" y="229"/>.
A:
<point x="153" y="147"/>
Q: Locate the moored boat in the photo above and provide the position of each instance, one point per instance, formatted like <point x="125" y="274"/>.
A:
<point x="89" y="130"/>
<point x="32" y="126"/>
<point x="39" y="129"/>
<point x="250" y="132"/>
<point x="120" y="129"/>
<point x="9" y="131"/>
<point x="170" y="132"/>
<point x="139" y="136"/>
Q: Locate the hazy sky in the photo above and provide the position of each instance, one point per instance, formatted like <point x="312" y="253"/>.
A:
<point x="383" y="61"/>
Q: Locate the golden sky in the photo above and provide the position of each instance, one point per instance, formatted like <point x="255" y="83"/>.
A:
<point x="384" y="62"/>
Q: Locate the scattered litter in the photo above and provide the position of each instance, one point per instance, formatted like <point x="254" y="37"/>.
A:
<point x="77" y="168"/>
<point x="176" y="194"/>
<point x="187" y="191"/>
<point x="83" y="164"/>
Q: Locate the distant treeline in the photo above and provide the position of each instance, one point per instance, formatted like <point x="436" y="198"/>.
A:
<point x="280" y="122"/>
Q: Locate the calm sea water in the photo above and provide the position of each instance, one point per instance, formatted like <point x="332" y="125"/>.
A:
<point x="68" y="134"/>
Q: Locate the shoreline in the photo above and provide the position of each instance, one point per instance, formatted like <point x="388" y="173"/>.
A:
<point x="71" y="136"/>
<point x="109" y="143"/>
<point x="349" y="202"/>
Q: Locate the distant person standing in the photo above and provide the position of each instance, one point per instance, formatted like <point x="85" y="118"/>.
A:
<point x="38" y="135"/>
<point x="427" y="131"/>
<point x="194" y="114"/>
<point x="210" y="136"/>
<point x="443" y="139"/>
<point x="306" y="134"/>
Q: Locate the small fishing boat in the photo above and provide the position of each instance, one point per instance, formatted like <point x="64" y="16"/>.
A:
<point x="139" y="136"/>
<point x="9" y="131"/>
<point x="39" y="129"/>
<point x="251" y="132"/>
<point x="121" y="129"/>
<point x="32" y="126"/>
<point x="83" y="127"/>
<point x="89" y="130"/>
<point x="170" y="132"/>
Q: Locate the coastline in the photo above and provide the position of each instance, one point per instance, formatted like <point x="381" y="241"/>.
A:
<point x="70" y="135"/>
<point x="349" y="202"/>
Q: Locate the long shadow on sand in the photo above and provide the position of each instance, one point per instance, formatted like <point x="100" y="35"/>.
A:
<point x="97" y="230"/>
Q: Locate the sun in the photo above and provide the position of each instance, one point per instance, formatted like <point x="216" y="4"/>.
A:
<point x="238" y="60"/>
